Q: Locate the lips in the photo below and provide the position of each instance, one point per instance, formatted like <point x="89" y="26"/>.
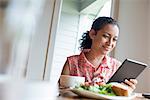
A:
<point x="107" y="48"/>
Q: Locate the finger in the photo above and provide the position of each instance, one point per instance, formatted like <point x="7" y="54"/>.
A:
<point x="134" y="81"/>
<point x="130" y="84"/>
<point x="129" y="88"/>
<point x="123" y="83"/>
<point x="87" y="83"/>
<point x="101" y="83"/>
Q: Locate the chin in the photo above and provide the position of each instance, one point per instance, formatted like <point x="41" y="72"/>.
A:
<point x="105" y="53"/>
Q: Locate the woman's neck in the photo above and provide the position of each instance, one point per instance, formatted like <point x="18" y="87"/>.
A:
<point x="94" y="57"/>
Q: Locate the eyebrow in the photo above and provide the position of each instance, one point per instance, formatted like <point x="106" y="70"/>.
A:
<point x="110" y="34"/>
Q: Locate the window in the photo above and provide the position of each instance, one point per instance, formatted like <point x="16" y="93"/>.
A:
<point x="76" y="18"/>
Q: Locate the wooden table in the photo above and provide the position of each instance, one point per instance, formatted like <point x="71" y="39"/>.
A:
<point x="68" y="95"/>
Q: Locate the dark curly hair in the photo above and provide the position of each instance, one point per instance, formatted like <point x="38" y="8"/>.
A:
<point x="99" y="23"/>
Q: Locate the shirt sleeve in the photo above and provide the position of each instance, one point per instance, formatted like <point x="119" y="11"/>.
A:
<point x="66" y="68"/>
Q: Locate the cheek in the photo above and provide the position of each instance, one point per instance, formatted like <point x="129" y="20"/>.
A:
<point x="114" y="45"/>
<point x="99" y="41"/>
<point x="105" y="42"/>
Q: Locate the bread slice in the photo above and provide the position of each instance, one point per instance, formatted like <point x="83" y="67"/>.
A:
<point x="121" y="90"/>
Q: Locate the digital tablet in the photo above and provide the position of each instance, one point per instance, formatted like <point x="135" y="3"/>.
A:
<point x="129" y="69"/>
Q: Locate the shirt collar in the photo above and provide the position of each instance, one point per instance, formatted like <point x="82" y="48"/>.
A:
<point x="106" y="62"/>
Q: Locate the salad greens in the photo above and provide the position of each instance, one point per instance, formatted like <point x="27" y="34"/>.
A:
<point x="106" y="89"/>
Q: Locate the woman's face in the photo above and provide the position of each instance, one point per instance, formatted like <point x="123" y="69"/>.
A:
<point x="105" y="39"/>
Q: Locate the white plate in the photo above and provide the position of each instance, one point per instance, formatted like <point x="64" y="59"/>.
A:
<point x="89" y="94"/>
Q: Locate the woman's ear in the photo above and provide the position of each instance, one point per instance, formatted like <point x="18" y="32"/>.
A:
<point x="92" y="34"/>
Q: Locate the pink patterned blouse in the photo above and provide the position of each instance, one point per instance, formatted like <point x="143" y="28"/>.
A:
<point x="80" y="66"/>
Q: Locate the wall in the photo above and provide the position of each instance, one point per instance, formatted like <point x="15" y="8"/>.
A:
<point x="148" y="41"/>
<point x="133" y="41"/>
<point x="5" y="42"/>
<point x="1" y="16"/>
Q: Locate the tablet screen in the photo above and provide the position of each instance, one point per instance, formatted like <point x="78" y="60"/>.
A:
<point x="129" y="69"/>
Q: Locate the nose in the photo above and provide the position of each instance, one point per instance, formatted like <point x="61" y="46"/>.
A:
<point x="110" y="42"/>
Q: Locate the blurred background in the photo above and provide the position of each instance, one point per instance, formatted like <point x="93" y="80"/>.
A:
<point x="18" y="21"/>
<point x="37" y="36"/>
<point x="21" y="22"/>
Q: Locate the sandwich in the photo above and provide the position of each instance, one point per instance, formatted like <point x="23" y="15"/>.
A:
<point x="121" y="89"/>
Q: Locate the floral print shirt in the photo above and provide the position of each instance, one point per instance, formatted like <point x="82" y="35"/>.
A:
<point x="80" y="66"/>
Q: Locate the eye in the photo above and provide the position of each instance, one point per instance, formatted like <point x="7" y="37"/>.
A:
<point x="105" y="36"/>
<point x="115" y="39"/>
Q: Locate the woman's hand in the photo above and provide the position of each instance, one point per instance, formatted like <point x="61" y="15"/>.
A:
<point x="131" y="83"/>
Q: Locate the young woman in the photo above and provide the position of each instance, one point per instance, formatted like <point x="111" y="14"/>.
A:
<point x="93" y="62"/>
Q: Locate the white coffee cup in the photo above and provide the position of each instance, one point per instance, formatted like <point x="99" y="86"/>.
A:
<point x="19" y="89"/>
<point x="68" y="81"/>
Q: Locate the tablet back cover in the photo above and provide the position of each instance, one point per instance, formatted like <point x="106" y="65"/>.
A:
<point x="128" y="69"/>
